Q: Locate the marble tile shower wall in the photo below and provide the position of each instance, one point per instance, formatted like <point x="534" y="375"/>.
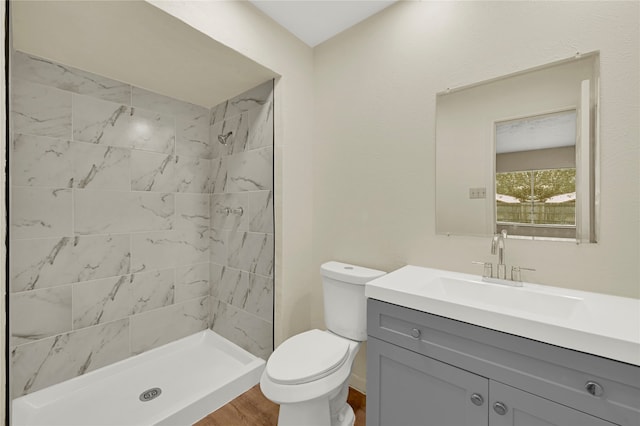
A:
<point x="110" y="221"/>
<point x="242" y="233"/>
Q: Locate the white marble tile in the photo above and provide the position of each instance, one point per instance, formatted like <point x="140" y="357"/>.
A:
<point x="250" y="171"/>
<point x="215" y="276"/>
<point x="192" y="281"/>
<point x="167" y="173"/>
<point x="249" y="292"/>
<point x="260" y="213"/>
<point x="230" y="211"/>
<point x="101" y="122"/>
<point x="251" y="252"/>
<point x="193" y="247"/>
<point x="44" y="263"/>
<point x="219" y="112"/>
<point x="164" y="104"/>
<point x="150" y="211"/>
<point x="261" y="126"/>
<point x="232" y="287"/>
<point x="113" y="124"/>
<point x="100" y="212"/>
<point x="245" y="330"/>
<point x="41" y="161"/>
<point x="100" y="301"/>
<point x="253" y="98"/>
<point x="193" y="175"/>
<point x="192" y="121"/>
<point x="43" y="71"/>
<point x="192" y="136"/>
<point x="52" y="360"/>
<point x="152" y="290"/>
<point x="159" y="250"/>
<point x="219" y="175"/>
<point x="40" y="212"/>
<point x="101" y="167"/>
<point x="152" y="131"/>
<point x="259" y="300"/>
<point x="192" y="212"/>
<point x="154" y="250"/>
<point x="50" y="162"/>
<point x="237" y="141"/>
<point x="105" y="212"/>
<point x="218" y="246"/>
<point x="40" y="110"/>
<point x="218" y="150"/>
<point x="154" y="328"/>
<point x="153" y="172"/>
<point x="40" y="313"/>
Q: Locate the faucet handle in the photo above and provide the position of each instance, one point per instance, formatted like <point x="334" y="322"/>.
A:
<point x="515" y="272"/>
<point x="488" y="268"/>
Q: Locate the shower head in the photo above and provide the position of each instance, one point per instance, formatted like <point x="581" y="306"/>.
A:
<point x="223" y="139"/>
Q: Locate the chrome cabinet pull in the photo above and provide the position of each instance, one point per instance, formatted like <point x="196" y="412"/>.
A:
<point x="594" y="388"/>
<point x="415" y="333"/>
<point x="500" y="408"/>
<point x="477" y="399"/>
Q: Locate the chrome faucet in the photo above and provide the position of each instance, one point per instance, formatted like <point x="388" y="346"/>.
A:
<point x="498" y="246"/>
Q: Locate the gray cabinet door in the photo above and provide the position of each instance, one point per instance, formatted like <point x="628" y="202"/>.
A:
<point x="408" y="389"/>
<point x="519" y="408"/>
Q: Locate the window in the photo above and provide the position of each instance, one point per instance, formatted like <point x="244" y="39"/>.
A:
<point x="538" y="197"/>
<point x="536" y="175"/>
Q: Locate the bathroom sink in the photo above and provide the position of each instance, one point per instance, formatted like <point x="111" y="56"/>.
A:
<point x="519" y="299"/>
<point x="600" y="324"/>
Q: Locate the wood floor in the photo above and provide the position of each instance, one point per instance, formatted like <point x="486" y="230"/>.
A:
<point x="252" y="408"/>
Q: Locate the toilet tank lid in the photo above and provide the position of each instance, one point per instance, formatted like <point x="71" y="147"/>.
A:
<point x="349" y="273"/>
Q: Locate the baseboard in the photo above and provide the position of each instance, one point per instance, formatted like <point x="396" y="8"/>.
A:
<point x="358" y="383"/>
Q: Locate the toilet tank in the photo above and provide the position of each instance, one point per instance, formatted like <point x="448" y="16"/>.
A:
<point x="345" y="305"/>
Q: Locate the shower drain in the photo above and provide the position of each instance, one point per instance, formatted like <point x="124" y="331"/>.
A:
<point x="150" y="394"/>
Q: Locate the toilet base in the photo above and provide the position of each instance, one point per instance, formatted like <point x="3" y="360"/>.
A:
<point x="347" y="417"/>
<point x="329" y="410"/>
<point x="308" y="413"/>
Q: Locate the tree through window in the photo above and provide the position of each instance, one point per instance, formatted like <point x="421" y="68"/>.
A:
<point x="537" y="197"/>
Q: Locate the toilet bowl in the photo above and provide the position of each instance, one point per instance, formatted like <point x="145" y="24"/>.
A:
<point x="308" y="374"/>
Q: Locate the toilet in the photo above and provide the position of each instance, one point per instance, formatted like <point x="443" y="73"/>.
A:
<point x="308" y="374"/>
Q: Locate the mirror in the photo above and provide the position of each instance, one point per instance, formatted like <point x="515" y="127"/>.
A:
<point x="519" y="153"/>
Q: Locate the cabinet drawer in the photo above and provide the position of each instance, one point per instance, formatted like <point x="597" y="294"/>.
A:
<point x="558" y="374"/>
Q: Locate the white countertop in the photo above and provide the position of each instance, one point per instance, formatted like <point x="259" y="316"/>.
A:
<point x="599" y="324"/>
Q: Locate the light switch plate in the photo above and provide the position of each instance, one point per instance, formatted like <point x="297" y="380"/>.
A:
<point x="477" y="193"/>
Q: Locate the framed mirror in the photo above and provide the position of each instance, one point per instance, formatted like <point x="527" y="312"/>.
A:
<point x="520" y="153"/>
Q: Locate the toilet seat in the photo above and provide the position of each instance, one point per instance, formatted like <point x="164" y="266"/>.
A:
<point x="307" y="357"/>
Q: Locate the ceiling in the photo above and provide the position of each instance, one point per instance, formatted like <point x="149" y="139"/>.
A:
<point x="314" y="21"/>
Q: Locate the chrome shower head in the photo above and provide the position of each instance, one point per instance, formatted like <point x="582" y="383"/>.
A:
<point x="223" y="139"/>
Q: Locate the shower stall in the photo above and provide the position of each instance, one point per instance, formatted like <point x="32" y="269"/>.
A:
<point x="136" y="220"/>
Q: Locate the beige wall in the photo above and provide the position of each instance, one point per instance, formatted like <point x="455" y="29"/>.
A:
<point x="245" y="29"/>
<point x="374" y="151"/>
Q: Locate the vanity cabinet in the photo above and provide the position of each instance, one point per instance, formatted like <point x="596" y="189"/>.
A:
<point x="424" y="369"/>
<point x="412" y="388"/>
<point x="509" y="406"/>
